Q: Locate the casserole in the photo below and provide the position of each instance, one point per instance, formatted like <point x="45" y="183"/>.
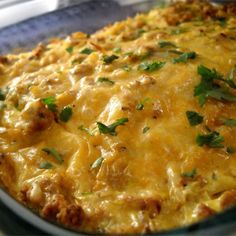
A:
<point x="183" y="57"/>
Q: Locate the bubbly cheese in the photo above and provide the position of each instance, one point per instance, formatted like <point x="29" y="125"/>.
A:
<point x="150" y="174"/>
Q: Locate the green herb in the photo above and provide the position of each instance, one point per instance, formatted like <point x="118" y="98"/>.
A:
<point x="184" y="57"/>
<point x="109" y="59"/>
<point x="82" y="128"/>
<point x="111" y="129"/>
<point x="144" y="55"/>
<point x="145" y="129"/>
<point x="231" y="78"/>
<point x="230" y="150"/>
<point x="2" y="95"/>
<point x="223" y="22"/>
<point x="74" y="61"/>
<point x="138" y="33"/>
<point x="65" y="114"/>
<point x="176" y="52"/>
<point x="117" y="50"/>
<point x="50" y="102"/>
<point x="106" y="80"/>
<point x="212" y="140"/>
<point x="140" y="105"/>
<point x="229" y="122"/>
<point x="69" y="50"/>
<point x="87" y="51"/>
<point x="190" y="174"/>
<point x="194" y="118"/>
<point x="45" y="165"/>
<point x="214" y="176"/>
<point x="126" y="68"/>
<point x="163" y="44"/>
<point x="97" y="163"/>
<point x="54" y="153"/>
<point x="151" y="66"/>
<point x="208" y="88"/>
<point x="178" y="31"/>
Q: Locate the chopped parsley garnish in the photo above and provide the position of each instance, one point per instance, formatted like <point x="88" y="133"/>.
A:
<point x="194" y="118"/>
<point x="109" y="59"/>
<point x="207" y="88"/>
<point x="230" y="150"/>
<point x="97" y="163"/>
<point x="190" y="174"/>
<point x="45" y="165"/>
<point x="65" y="114"/>
<point x="70" y="49"/>
<point x="140" y="105"/>
<point x="163" y="44"/>
<point x="151" y="66"/>
<point x="212" y="140"/>
<point x="2" y="95"/>
<point x="175" y="52"/>
<point x="111" y="129"/>
<point x="126" y="68"/>
<point x="178" y="31"/>
<point x="117" y="50"/>
<point x="229" y="122"/>
<point x="145" y="129"/>
<point x="50" y="102"/>
<point x="87" y="51"/>
<point x="223" y="22"/>
<point x="82" y="128"/>
<point x="106" y="80"/>
<point x="138" y="33"/>
<point x="231" y="78"/>
<point x="54" y="153"/>
<point x="184" y="57"/>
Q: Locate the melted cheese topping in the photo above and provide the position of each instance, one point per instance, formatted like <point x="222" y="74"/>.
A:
<point x="152" y="175"/>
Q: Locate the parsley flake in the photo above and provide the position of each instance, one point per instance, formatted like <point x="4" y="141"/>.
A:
<point x="2" y="95"/>
<point x="111" y="129"/>
<point x="126" y="68"/>
<point x="140" y="105"/>
<point x="50" y="102"/>
<point x="54" y="153"/>
<point x="212" y="140"/>
<point x="194" y="118"/>
<point x="70" y="49"/>
<point x="230" y="150"/>
<point x="109" y="59"/>
<point x="163" y="44"/>
<point x="106" y="80"/>
<point x="145" y="129"/>
<point x="229" y="122"/>
<point x="97" y="163"/>
<point x="87" y="51"/>
<point x="82" y="128"/>
<point x="45" y="165"/>
<point x="117" y="50"/>
<point x="65" y="114"/>
<point x="190" y="174"/>
<point x="231" y="78"/>
<point x="207" y="88"/>
<point x="178" y="31"/>
<point x="184" y="57"/>
<point x="150" y="67"/>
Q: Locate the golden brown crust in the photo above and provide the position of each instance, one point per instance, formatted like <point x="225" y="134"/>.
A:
<point x="71" y="164"/>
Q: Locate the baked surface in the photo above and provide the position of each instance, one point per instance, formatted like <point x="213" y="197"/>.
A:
<point x="128" y="130"/>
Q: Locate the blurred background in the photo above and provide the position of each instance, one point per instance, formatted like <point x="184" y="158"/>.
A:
<point x="13" y="11"/>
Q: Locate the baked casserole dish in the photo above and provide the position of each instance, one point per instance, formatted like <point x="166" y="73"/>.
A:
<point x="129" y="130"/>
